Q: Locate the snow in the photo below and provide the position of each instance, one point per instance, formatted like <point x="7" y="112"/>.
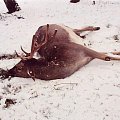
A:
<point x="91" y="93"/>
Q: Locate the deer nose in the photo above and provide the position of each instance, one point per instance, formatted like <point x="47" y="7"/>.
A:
<point x="11" y="72"/>
<point x="3" y="74"/>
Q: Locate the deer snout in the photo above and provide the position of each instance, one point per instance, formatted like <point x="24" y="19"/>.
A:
<point x="3" y="74"/>
<point x="12" y="72"/>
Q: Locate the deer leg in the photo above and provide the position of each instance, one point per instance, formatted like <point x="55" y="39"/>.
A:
<point x="114" y="53"/>
<point x="100" y="55"/>
<point x="89" y="28"/>
<point x="108" y="58"/>
<point x="105" y="57"/>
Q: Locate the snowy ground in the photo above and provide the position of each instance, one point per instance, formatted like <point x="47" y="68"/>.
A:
<point x="92" y="93"/>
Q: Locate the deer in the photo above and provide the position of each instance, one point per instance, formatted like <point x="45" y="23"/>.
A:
<point x="61" y="55"/>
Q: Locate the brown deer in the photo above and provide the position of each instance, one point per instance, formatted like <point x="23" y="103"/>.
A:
<point x="61" y="56"/>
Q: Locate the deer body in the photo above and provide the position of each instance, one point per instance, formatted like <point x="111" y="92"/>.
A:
<point x="61" y="55"/>
<point x="61" y="60"/>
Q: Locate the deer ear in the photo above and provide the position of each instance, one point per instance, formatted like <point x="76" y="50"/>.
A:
<point x="33" y="36"/>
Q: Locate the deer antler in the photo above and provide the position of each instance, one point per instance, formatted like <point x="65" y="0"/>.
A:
<point x="27" y="54"/>
<point x="19" y="55"/>
<point x="53" y="36"/>
<point x="35" y="46"/>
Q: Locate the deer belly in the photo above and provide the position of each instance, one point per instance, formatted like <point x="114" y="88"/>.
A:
<point x="73" y="67"/>
<point x="61" y="69"/>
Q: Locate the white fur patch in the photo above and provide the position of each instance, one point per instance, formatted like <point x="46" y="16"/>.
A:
<point x="74" y="38"/>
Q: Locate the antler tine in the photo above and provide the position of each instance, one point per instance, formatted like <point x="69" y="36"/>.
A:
<point x="27" y="54"/>
<point x="115" y="53"/>
<point x="55" y="32"/>
<point x="46" y="35"/>
<point x="36" y="45"/>
<point x="19" y="55"/>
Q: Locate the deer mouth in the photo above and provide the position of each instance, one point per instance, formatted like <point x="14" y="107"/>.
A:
<point x="4" y="74"/>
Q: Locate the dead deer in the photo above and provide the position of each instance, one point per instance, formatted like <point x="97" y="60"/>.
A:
<point x="61" y="56"/>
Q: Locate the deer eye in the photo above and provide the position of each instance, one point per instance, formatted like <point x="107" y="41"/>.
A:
<point x="19" y="69"/>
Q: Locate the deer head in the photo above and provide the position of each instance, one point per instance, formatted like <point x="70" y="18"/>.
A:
<point x="24" y="69"/>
